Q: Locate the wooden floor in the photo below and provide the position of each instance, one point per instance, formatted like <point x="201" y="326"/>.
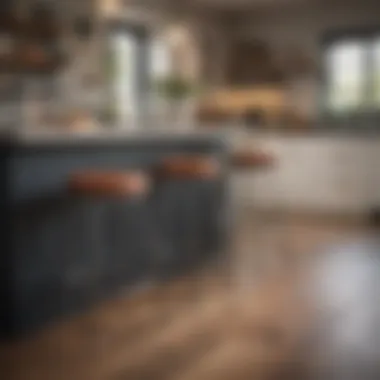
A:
<point x="255" y="317"/>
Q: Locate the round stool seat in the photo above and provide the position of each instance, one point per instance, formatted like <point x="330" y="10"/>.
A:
<point x="188" y="167"/>
<point x="109" y="183"/>
<point x="251" y="160"/>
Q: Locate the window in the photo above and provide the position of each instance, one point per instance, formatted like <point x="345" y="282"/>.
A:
<point x="127" y="72"/>
<point x="135" y="60"/>
<point x="160" y="62"/>
<point x="124" y="48"/>
<point x="352" y="73"/>
<point x="160" y="67"/>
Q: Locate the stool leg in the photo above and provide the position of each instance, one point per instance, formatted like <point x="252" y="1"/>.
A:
<point x="82" y="282"/>
<point x="85" y="273"/>
<point x="176" y="227"/>
<point x="249" y="253"/>
<point x="159" y="248"/>
<point x="186" y="227"/>
<point x="94" y="222"/>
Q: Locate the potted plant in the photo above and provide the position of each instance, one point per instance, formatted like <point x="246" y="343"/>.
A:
<point x="178" y="95"/>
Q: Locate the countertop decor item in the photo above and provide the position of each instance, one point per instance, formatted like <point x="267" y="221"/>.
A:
<point x="174" y="87"/>
<point x="81" y="121"/>
<point x="178" y="94"/>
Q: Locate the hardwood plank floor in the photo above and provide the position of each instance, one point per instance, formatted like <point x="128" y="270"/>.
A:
<point x="252" y="318"/>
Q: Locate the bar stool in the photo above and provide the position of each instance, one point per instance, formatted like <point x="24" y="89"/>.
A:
<point x="246" y="162"/>
<point x="185" y="205"/>
<point x="111" y="241"/>
<point x="250" y="160"/>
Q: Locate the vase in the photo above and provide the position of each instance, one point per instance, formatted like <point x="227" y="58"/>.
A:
<point x="180" y="115"/>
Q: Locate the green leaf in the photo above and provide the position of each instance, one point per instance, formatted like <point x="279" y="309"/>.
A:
<point x="174" y="87"/>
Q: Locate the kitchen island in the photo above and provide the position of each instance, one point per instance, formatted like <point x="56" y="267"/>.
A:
<point x="58" y="249"/>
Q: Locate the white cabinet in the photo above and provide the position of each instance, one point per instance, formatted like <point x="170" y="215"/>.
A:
<point x="316" y="173"/>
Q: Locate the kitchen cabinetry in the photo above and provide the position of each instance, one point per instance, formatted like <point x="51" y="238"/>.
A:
<point x="251" y="62"/>
<point x="337" y="174"/>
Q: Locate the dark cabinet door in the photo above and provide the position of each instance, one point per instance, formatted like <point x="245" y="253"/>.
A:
<point x="182" y="214"/>
<point x="128" y="244"/>
<point x="36" y="303"/>
<point x="82" y="254"/>
<point x="54" y="268"/>
<point x="36" y="265"/>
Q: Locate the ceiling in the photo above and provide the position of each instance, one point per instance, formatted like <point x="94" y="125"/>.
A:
<point x="218" y="4"/>
<point x="240" y="5"/>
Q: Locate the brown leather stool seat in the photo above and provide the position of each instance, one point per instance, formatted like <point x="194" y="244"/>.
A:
<point x="247" y="160"/>
<point x="188" y="167"/>
<point x="109" y="183"/>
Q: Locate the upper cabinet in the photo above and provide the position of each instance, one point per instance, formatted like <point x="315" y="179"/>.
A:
<point x="250" y="63"/>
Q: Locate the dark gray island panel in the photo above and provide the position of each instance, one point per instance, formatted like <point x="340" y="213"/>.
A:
<point x="62" y="253"/>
